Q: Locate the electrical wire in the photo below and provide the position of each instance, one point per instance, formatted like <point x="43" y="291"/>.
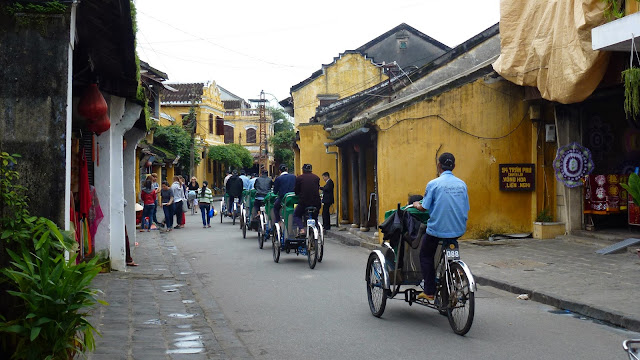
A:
<point x="457" y="128"/>
<point x="218" y="45"/>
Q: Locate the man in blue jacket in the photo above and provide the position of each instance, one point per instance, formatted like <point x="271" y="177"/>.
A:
<point x="447" y="200"/>
<point x="285" y="183"/>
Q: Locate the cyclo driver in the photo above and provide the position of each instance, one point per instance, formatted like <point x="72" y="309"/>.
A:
<point x="263" y="186"/>
<point x="307" y="189"/>
<point x="234" y="189"/>
<point x="447" y="201"/>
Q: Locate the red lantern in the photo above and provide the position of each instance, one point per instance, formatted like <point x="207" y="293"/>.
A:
<point x="92" y="104"/>
<point x="99" y="125"/>
<point x="148" y="164"/>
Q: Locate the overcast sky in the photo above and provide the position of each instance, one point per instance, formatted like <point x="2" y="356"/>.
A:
<point x="248" y="46"/>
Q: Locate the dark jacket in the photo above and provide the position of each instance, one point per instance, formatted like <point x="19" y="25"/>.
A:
<point x="284" y="184"/>
<point x="234" y="186"/>
<point x="308" y="189"/>
<point x="262" y="185"/>
<point x="327" y="192"/>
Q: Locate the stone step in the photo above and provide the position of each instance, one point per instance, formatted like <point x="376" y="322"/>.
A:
<point x="598" y="242"/>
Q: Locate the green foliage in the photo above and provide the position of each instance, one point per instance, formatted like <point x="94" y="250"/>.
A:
<point x="231" y="155"/>
<point x="49" y="7"/>
<point x="283" y="143"/>
<point x="47" y="319"/>
<point x="633" y="187"/>
<point x="177" y="140"/>
<point x="544" y="216"/>
<point x="631" y="79"/>
<point x="140" y="93"/>
<point x="614" y="9"/>
<point x="277" y="115"/>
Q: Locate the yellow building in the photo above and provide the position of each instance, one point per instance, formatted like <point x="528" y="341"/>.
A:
<point x="205" y="97"/>
<point x="391" y="54"/>
<point x="387" y="147"/>
<point x="242" y="126"/>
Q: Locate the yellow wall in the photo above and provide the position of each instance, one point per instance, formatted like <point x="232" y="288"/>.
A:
<point x="410" y="140"/>
<point x="312" y="150"/>
<point x="350" y="74"/>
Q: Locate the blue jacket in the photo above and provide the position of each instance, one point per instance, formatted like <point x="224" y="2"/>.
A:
<point x="283" y="184"/>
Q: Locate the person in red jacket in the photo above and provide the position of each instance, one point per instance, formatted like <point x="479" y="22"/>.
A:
<point x="148" y="196"/>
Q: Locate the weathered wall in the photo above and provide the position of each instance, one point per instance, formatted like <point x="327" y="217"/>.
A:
<point x="410" y="140"/>
<point x="416" y="53"/>
<point x="33" y="107"/>
<point x="350" y="74"/>
<point x="312" y="150"/>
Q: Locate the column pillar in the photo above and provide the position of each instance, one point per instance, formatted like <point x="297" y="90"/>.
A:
<point x="133" y="138"/>
<point x="362" y="177"/>
<point x="344" y="186"/>
<point x="355" y="194"/>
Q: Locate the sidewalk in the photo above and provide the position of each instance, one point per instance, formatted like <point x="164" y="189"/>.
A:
<point x="564" y="272"/>
<point x="159" y="310"/>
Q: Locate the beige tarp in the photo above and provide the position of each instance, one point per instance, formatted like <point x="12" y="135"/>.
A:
<point x="547" y="44"/>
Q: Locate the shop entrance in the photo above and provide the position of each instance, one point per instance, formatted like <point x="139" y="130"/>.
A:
<point x="614" y="142"/>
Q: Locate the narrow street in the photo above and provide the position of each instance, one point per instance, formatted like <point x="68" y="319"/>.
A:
<point x="288" y="311"/>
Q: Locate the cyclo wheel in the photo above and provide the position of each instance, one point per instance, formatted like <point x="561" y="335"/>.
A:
<point x="459" y="299"/>
<point x="320" y="243"/>
<point x="261" y="233"/>
<point x="275" y="242"/>
<point x="312" y="248"/>
<point x="376" y="294"/>
<point x="222" y="210"/>
<point x="243" y="224"/>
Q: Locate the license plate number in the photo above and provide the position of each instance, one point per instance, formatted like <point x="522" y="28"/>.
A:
<point x="311" y="222"/>
<point x="452" y="254"/>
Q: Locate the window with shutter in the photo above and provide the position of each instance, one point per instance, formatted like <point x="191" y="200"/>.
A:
<point x="228" y="134"/>
<point x="210" y="123"/>
<point x="251" y="136"/>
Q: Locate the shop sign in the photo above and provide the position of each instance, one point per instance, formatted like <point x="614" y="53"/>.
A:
<point x="517" y="177"/>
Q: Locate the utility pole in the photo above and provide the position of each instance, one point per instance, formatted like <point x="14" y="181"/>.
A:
<point x="263" y="162"/>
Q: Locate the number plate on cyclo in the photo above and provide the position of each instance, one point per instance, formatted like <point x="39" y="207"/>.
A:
<point x="452" y="254"/>
<point x="311" y="222"/>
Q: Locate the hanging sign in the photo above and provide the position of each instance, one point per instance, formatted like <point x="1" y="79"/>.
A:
<point x="517" y="177"/>
<point x="572" y="163"/>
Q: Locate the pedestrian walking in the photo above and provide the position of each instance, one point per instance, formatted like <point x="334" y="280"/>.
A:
<point x="148" y="196"/>
<point x="205" y="198"/>
<point x="179" y="201"/>
<point x="166" y="195"/>
<point x="156" y="187"/>
<point x="192" y="189"/>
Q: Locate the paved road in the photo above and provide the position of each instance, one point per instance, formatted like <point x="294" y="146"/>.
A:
<point x="288" y="311"/>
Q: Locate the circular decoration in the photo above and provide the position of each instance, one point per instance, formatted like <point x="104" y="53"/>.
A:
<point x="572" y="163"/>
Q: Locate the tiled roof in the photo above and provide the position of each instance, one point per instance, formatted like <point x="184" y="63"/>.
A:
<point x="184" y="95"/>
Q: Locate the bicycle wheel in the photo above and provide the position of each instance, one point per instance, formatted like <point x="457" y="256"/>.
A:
<point x="320" y="243"/>
<point x="460" y="300"/>
<point x="312" y="248"/>
<point x="376" y="295"/>
<point x="222" y="210"/>
<point x="275" y="242"/>
<point x="233" y="214"/>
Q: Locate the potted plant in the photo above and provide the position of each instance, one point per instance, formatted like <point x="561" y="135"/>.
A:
<point x="545" y="228"/>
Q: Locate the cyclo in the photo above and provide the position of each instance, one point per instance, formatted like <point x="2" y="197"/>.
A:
<point x="397" y="265"/>
<point x="246" y="210"/>
<point x="235" y="209"/>
<point x="284" y="237"/>
<point x="266" y="216"/>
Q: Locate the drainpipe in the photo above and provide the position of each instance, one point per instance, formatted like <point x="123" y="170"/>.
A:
<point x="326" y="147"/>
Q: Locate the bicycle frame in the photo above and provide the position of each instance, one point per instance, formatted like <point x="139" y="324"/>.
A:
<point x="632" y="348"/>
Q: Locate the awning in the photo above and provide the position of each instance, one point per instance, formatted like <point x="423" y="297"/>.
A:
<point x="617" y="35"/>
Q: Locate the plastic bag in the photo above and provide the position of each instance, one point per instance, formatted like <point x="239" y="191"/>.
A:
<point x="212" y="212"/>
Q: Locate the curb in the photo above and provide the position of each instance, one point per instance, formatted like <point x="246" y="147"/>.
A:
<point x="601" y="314"/>
<point x="597" y="313"/>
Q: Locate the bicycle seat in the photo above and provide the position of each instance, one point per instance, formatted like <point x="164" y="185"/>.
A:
<point x="311" y="208"/>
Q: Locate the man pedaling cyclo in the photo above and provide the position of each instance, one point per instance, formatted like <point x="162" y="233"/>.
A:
<point x="447" y="201"/>
<point x="307" y="189"/>
<point x="262" y="185"/>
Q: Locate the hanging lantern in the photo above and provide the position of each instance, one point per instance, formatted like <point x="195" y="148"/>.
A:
<point x="148" y="164"/>
<point x="92" y="104"/>
<point x="99" y="125"/>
